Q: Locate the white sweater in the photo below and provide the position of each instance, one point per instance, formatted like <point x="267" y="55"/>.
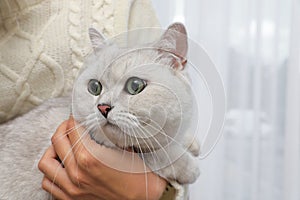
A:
<point x="43" y="44"/>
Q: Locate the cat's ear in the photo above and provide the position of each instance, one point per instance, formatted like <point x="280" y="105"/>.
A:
<point x="97" y="39"/>
<point x="174" y="40"/>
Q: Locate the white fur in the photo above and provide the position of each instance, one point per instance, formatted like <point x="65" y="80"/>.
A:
<point x="154" y="121"/>
<point x="23" y="141"/>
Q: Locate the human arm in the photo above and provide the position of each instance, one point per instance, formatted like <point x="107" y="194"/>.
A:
<point x="83" y="176"/>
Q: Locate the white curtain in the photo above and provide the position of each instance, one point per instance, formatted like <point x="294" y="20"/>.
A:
<point x="256" y="47"/>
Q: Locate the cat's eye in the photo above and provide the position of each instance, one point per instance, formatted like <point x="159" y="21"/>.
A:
<point x="135" y="85"/>
<point x="94" y="87"/>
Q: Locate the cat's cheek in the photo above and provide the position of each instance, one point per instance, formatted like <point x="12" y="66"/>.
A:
<point x="159" y="115"/>
<point x="84" y="107"/>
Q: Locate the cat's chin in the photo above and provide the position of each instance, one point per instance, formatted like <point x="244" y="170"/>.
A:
<point x="117" y="138"/>
<point x="113" y="134"/>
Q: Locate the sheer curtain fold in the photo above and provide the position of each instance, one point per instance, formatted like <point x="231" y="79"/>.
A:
<point x="292" y="130"/>
<point x="256" y="47"/>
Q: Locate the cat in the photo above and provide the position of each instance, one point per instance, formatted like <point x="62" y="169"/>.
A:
<point x="137" y="98"/>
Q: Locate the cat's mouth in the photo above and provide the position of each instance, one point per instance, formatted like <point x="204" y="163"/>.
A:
<point x="132" y="149"/>
<point x="138" y="150"/>
<point x="127" y="136"/>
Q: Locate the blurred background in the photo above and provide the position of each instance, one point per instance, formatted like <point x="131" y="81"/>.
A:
<point x="256" y="47"/>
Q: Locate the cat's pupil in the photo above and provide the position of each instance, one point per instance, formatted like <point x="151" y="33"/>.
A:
<point x="135" y="85"/>
<point x="94" y="87"/>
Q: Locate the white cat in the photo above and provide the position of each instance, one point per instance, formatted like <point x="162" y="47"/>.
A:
<point x="136" y="98"/>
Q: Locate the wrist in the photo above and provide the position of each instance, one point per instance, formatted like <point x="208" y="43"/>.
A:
<point x="155" y="189"/>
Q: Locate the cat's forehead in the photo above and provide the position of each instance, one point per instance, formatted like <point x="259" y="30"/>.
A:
<point x="127" y="63"/>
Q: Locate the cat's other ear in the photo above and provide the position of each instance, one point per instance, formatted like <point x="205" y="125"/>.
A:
<point x="174" y="40"/>
<point x="97" y="39"/>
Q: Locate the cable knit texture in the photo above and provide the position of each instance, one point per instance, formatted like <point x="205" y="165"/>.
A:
<point x="43" y="44"/>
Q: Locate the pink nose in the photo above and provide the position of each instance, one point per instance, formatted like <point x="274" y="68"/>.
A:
<point x="104" y="109"/>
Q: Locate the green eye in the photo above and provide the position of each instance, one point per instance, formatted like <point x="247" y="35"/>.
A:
<point x="94" y="87"/>
<point x="135" y="85"/>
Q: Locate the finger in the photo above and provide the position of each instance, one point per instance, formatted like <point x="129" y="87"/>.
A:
<point x="90" y="154"/>
<point x="62" y="145"/>
<point x="79" y="139"/>
<point x="53" y="170"/>
<point x="82" y="145"/>
<point x="48" y="157"/>
<point x="76" y="135"/>
<point x="54" y="190"/>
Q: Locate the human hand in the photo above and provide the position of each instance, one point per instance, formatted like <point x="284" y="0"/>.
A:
<point x="83" y="176"/>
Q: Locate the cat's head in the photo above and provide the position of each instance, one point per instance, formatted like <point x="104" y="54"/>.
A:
<point x="135" y="96"/>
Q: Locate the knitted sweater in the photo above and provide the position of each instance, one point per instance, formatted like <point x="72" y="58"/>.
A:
<point x="43" y="44"/>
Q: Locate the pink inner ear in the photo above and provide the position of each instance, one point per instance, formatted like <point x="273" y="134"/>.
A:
<point x="176" y="34"/>
<point x="174" y="41"/>
<point x="178" y="62"/>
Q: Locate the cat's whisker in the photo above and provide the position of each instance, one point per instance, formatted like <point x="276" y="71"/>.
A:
<point x="132" y="155"/>
<point x="145" y="168"/>
<point x="172" y="139"/>
<point x="164" y="134"/>
<point x="91" y="124"/>
<point x="125" y="139"/>
<point x="143" y="136"/>
<point x="150" y="149"/>
<point x="83" y="117"/>
<point x="168" y="158"/>
<point x="152" y="126"/>
<point x="69" y="152"/>
<point x="68" y="131"/>
<point x="166" y="153"/>
<point x="79" y="150"/>
<point x="132" y="144"/>
<point x="130" y="97"/>
<point x="150" y="142"/>
<point x="160" y="132"/>
<point x="62" y="161"/>
<point x="120" y="135"/>
<point x="129" y="130"/>
<point x="129" y="118"/>
<point x="147" y="121"/>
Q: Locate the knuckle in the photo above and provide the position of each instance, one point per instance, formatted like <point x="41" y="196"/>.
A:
<point x="41" y="165"/>
<point x="73" y="176"/>
<point x="61" y="128"/>
<point x="74" y="192"/>
<point x="80" y="179"/>
<point x="85" y="160"/>
<point x="82" y="158"/>
<point x="77" y="178"/>
<point x="53" y="139"/>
